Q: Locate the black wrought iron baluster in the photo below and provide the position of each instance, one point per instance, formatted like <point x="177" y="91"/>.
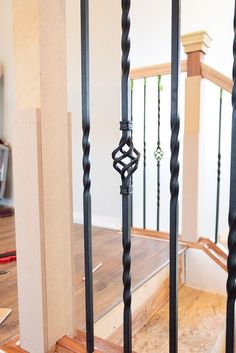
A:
<point x="86" y="176"/>
<point x="218" y="169"/>
<point x="174" y="182"/>
<point x="126" y="159"/>
<point x="132" y="119"/>
<point x="158" y="153"/>
<point x="144" y="150"/>
<point x="231" y="282"/>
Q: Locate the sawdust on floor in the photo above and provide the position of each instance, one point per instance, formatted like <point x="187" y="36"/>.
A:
<point x="201" y="321"/>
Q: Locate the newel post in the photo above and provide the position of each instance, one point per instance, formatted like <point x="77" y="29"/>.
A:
<point x="42" y="175"/>
<point x="195" y="46"/>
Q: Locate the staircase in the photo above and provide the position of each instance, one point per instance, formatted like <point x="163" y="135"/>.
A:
<point x="201" y="313"/>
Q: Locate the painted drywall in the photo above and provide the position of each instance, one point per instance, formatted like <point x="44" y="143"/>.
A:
<point x="150" y="34"/>
<point x="105" y="108"/>
<point x="198" y="277"/>
<point x="151" y="30"/>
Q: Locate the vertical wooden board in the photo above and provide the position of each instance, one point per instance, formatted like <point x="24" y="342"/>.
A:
<point x="26" y="53"/>
<point x="191" y="158"/>
<point x="40" y="75"/>
<point x="56" y="168"/>
<point x="28" y="181"/>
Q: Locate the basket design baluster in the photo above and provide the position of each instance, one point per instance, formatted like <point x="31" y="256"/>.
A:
<point x="231" y="282"/>
<point x="158" y="154"/>
<point x="126" y="159"/>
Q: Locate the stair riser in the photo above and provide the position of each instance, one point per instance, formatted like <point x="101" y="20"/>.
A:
<point x="146" y="301"/>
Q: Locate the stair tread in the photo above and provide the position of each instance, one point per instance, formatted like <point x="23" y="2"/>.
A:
<point x="201" y="321"/>
<point x="100" y="344"/>
<point x="78" y="345"/>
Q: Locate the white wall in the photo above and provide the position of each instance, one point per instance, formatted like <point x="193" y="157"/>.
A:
<point x="150" y="39"/>
<point x="151" y="30"/>
<point x="105" y="107"/>
<point x="6" y="86"/>
<point x="198" y="277"/>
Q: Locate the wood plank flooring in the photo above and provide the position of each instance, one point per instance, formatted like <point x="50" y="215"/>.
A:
<point x="148" y="256"/>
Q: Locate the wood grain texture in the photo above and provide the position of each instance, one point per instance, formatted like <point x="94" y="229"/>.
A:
<point x="6" y="349"/>
<point x="155" y="70"/>
<point x="194" y="63"/>
<point x="8" y="281"/>
<point x="216" y="77"/>
<point x="148" y="256"/>
<point x="206" y="245"/>
<point x="100" y="344"/>
<point x="71" y="345"/>
<point x="13" y="346"/>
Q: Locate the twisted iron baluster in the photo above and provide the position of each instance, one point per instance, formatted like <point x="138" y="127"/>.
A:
<point x="174" y="182"/>
<point x="144" y="150"/>
<point x="231" y="282"/>
<point x="218" y="170"/>
<point x="132" y="118"/>
<point x="86" y="176"/>
<point x="126" y="159"/>
<point x="158" y="153"/>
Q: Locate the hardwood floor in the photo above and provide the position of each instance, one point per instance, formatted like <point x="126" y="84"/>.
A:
<point x="8" y="281"/>
<point x="148" y="256"/>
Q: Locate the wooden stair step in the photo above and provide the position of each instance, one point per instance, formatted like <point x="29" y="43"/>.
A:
<point x="78" y="345"/>
<point x="101" y="344"/>
<point x="201" y="324"/>
<point x="11" y="349"/>
<point x="12" y="346"/>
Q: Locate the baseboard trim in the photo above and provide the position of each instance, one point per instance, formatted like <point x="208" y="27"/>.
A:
<point x="100" y="221"/>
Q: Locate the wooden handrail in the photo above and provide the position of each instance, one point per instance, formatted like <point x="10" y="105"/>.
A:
<point x="155" y="70"/>
<point x="216" y="77"/>
<point x="207" y="72"/>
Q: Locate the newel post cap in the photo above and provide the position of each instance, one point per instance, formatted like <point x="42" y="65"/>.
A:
<point x="196" y="41"/>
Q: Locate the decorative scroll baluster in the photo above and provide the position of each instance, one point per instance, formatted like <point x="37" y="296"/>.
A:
<point x="218" y="170"/>
<point x="158" y="153"/>
<point x="174" y="182"/>
<point x="86" y="176"/>
<point x="126" y="159"/>
<point x="231" y="282"/>
<point x="144" y="150"/>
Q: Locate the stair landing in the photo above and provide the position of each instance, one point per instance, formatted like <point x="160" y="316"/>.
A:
<point x="201" y="324"/>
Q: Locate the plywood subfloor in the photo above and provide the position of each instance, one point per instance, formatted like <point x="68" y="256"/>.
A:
<point x="201" y="321"/>
<point x="148" y="256"/>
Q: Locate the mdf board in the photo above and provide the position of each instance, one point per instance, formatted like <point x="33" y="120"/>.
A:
<point x="4" y="313"/>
